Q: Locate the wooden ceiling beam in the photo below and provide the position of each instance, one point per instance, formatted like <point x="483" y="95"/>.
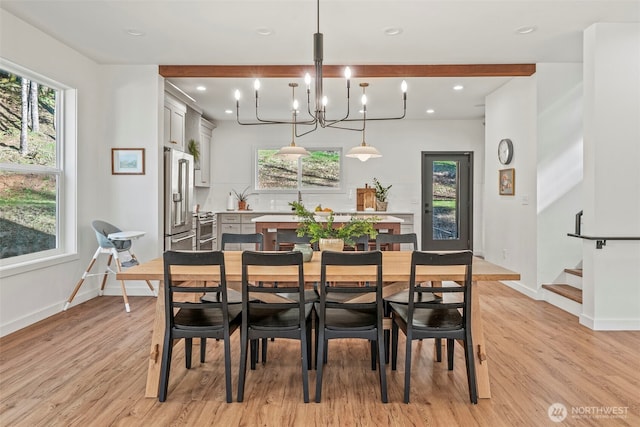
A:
<point x="296" y="71"/>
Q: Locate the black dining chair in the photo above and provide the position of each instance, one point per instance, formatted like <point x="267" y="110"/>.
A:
<point x="274" y="317"/>
<point x="196" y="319"/>
<point x="235" y="297"/>
<point x="286" y="239"/>
<point x="427" y="318"/>
<point x="385" y="241"/>
<point x="343" y="318"/>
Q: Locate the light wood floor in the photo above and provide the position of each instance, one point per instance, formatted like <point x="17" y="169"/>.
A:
<point x="87" y="367"/>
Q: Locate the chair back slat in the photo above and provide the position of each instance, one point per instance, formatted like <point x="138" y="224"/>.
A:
<point x="255" y="238"/>
<point x="385" y="238"/>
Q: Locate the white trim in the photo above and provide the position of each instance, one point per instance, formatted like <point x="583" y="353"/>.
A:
<point x="37" y="264"/>
<point x="523" y="289"/>
<point x="610" y="324"/>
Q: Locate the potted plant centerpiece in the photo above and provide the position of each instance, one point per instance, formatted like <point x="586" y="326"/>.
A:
<point x="381" y="195"/>
<point x="328" y="236"/>
<point x="242" y="197"/>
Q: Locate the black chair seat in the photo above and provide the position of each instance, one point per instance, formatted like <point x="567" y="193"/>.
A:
<point x="402" y="297"/>
<point x="310" y="295"/>
<point x="429" y="318"/>
<point x="197" y="319"/>
<point x="268" y="318"/>
<point x="339" y="318"/>
<point x="233" y="297"/>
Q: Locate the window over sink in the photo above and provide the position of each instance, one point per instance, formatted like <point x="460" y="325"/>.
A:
<point x="321" y="170"/>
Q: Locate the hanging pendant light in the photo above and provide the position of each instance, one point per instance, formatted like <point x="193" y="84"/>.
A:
<point x="363" y="152"/>
<point x="292" y="151"/>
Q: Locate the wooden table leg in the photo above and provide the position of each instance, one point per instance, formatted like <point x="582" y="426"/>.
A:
<point x="157" y="339"/>
<point x="479" y="347"/>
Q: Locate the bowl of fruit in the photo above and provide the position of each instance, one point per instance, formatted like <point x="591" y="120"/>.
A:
<point x="320" y="211"/>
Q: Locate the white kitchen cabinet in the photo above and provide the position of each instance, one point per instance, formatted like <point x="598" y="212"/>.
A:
<point x="203" y="170"/>
<point x="174" y="122"/>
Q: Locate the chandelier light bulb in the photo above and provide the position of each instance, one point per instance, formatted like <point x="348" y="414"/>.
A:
<point x="307" y="80"/>
<point x="295" y="105"/>
<point x="347" y="73"/>
<point x="364" y="99"/>
<point x="256" y="84"/>
<point x="325" y="101"/>
<point x="403" y="86"/>
<point x="237" y="95"/>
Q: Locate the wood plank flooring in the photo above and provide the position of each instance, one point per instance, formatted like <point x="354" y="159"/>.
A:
<point x="87" y="367"/>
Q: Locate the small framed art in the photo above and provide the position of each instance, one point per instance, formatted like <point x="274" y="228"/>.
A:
<point x="507" y="182"/>
<point x="127" y="161"/>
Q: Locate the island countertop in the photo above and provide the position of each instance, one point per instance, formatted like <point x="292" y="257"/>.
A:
<point x="336" y="218"/>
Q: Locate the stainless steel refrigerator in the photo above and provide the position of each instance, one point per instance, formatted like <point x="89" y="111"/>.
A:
<point x="179" y="233"/>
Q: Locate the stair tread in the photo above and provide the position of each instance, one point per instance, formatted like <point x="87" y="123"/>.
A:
<point x="566" y="291"/>
<point x="574" y="271"/>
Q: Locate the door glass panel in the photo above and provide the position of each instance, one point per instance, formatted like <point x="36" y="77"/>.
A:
<point x="444" y="200"/>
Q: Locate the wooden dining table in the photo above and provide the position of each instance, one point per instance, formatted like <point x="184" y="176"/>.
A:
<point x="395" y="275"/>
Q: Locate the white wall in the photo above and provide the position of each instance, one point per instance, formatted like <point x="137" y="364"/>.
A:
<point x="611" y="278"/>
<point x="510" y="222"/>
<point x="559" y="171"/>
<point x="118" y="106"/>
<point x="31" y="296"/>
<point x="400" y="143"/>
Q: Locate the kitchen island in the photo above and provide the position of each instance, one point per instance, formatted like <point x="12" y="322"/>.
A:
<point x="272" y="223"/>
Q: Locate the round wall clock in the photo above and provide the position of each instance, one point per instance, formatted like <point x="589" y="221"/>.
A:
<point x="505" y="151"/>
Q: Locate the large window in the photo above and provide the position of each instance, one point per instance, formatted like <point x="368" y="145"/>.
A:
<point x="30" y="165"/>
<point x="322" y="170"/>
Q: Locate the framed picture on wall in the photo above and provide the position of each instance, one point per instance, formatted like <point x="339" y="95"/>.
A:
<point x="127" y="161"/>
<point x="507" y="182"/>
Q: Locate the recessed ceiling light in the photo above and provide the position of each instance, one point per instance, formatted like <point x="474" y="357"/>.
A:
<point x="134" y="32"/>
<point x="228" y="111"/>
<point x="458" y="87"/>
<point x="201" y="88"/>
<point x="392" y="31"/>
<point x="431" y="111"/>
<point x="527" y="29"/>
<point x="264" y="31"/>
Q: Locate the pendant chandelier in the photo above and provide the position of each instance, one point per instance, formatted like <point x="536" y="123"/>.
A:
<point x="317" y="110"/>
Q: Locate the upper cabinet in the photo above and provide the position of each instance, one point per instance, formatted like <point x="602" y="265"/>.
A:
<point x="203" y="173"/>
<point x="174" y="122"/>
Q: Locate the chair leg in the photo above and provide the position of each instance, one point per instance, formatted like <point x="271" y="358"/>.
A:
<point x="373" y="355"/>
<point x="309" y="353"/>
<point x="81" y="281"/>
<point x="264" y="350"/>
<point x="243" y="364"/>
<point x="450" y="348"/>
<point x="407" y="371"/>
<point x="188" y="347"/>
<point x="320" y="361"/>
<point x="254" y="354"/>
<point x="471" y="369"/>
<point x="165" y="367"/>
<point x="203" y="349"/>
<point x="438" y="345"/>
<point x="227" y="366"/>
<point x="124" y="291"/>
<point x="387" y="334"/>
<point x="305" y="353"/>
<point x="381" y="368"/>
<point x="105" y="275"/>
<point x="394" y="346"/>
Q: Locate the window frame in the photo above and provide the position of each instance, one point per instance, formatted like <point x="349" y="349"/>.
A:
<point x="66" y="177"/>
<point x="335" y="190"/>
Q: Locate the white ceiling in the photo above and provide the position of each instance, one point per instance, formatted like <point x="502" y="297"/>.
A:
<point x="218" y="32"/>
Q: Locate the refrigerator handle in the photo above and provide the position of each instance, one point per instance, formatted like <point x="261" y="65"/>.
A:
<point x="183" y="182"/>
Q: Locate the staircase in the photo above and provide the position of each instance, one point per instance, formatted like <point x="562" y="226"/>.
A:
<point x="566" y="296"/>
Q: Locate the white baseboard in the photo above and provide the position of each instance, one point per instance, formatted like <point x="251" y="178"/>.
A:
<point x="42" y="314"/>
<point x="610" y="324"/>
<point x="523" y="289"/>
